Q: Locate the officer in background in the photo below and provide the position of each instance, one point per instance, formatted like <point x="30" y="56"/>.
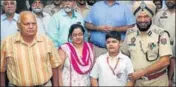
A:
<point x="148" y="46"/>
<point x="166" y="19"/>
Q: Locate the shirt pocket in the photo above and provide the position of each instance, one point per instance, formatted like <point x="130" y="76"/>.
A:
<point x="153" y="51"/>
<point x="132" y="50"/>
<point x="120" y="71"/>
<point x="46" y="60"/>
<point x="163" y="21"/>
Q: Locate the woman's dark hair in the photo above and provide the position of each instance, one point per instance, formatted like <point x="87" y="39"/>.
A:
<point x="113" y="34"/>
<point x="73" y="27"/>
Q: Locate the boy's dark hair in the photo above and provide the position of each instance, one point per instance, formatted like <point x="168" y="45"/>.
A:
<point x="113" y="34"/>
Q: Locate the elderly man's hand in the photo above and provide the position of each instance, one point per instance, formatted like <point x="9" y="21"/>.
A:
<point x="136" y="75"/>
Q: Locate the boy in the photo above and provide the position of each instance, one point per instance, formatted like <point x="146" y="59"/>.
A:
<point x="112" y="68"/>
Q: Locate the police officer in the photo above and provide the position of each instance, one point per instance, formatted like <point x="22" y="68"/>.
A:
<point x="148" y="46"/>
<point x="166" y="19"/>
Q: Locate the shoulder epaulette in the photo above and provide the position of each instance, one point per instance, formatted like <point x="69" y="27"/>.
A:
<point x="157" y="31"/>
<point x="131" y="31"/>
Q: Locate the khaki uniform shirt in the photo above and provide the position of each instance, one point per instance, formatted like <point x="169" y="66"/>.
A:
<point x="166" y="20"/>
<point x="145" y="49"/>
<point x="28" y="65"/>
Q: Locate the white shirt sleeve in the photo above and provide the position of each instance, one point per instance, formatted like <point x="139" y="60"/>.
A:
<point x="129" y="68"/>
<point x="95" y="70"/>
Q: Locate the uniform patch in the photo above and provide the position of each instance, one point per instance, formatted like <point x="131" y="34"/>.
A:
<point x="164" y="41"/>
<point x="133" y="41"/>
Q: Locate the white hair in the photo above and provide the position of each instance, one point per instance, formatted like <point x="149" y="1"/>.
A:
<point x="19" y="18"/>
<point x="2" y="2"/>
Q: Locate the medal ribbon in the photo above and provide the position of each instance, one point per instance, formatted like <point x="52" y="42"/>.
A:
<point x="113" y="70"/>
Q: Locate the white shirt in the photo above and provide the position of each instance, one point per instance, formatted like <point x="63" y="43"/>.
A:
<point x="42" y="23"/>
<point x="8" y="27"/>
<point x="104" y="74"/>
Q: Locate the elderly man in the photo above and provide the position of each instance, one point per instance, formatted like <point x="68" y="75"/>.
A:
<point x="43" y="18"/>
<point x="148" y="46"/>
<point x="8" y="19"/>
<point x="30" y="59"/>
<point x="114" y="17"/>
<point x="61" y="21"/>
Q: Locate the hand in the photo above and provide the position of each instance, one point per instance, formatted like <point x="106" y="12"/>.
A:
<point x="136" y="75"/>
<point x="102" y="28"/>
<point x="110" y="28"/>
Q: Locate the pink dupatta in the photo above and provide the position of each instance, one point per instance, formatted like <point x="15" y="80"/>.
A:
<point x="82" y="65"/>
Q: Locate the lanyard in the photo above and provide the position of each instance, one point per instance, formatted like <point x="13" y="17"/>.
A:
<point x="112" y="69"/>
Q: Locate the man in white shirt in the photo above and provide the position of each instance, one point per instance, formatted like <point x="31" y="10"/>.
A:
<point x="43" y="18"/>
<point x="8" y="19"/>
<point x="113" y="67"/>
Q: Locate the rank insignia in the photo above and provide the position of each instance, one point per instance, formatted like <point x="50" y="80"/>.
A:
<point x="150" y="33"/>
<point x="164" y="41"/>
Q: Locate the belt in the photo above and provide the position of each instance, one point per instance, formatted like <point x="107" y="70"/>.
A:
<point x="153" y="76"/>
<point x="40" y="85"/>
<point x="34" y="85"/>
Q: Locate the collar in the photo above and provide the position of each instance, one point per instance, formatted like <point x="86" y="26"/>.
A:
<point x="18" y="38"/>
<point x="116" y="2"/>
<point x="65" y="14"/>
<point x="118" y="56"/>
<point x="15" y="17"/>
<point x="149" y="32"/>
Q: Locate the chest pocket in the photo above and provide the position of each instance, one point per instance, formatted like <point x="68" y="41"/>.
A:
<point x="163" y="20"/>
<point x="46" y="56"/>
<point x="153" y="48"/>
<point x="153" y="51"/>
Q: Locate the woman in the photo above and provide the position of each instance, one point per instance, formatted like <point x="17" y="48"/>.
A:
<point x="77" y="57"/>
